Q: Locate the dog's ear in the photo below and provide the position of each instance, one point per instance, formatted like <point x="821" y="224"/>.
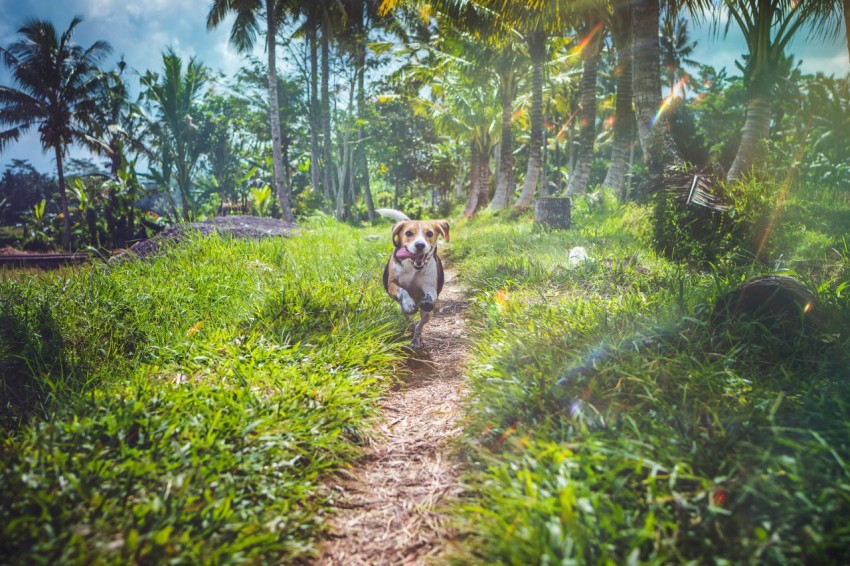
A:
<point x="443" y="227"/>
<point x="397" y="233"/>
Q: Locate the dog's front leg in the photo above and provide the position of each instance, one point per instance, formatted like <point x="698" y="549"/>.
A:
<point x="417" y="330"/>
<point x="429" y="298"/>
<point x="405" y="301"/>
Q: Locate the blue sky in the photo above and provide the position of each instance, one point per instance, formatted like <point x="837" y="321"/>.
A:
<point x="141" y="29"/>
<point x="137" y="29"/>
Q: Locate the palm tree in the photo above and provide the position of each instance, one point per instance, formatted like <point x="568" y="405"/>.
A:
<point x="506" y="65"/>
<point x="464" y="104"/>
<point x="659" y="149"/>
<point x="590" y="44"/>
<point x="624" y="116"/>
<point x="312" y="13"/>
<point x="243" y="36"/>
<point x="57" y="86"/>
<point x="115" y="137"/>
<point x="676" y="48"/>
<point x="173" y="97"/>
<point x="768" y="26"/>
<point x="536" y="22"/>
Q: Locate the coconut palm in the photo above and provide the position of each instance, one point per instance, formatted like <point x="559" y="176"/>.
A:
<point x="504" y="53"/>
<point x="659" y="149"/>
<point x="590" y="44"/>
<point x="173" y="101"/>
<point x="536" y="22"/>
<point x="57" y="86"/>
<point x="250" y="16"/>
<point x="506" y="64"/>
<point x="464" y="105"/>
<point x="768" y="26"/>
<point x="676" y="48"/>
<point x="624" y="116"/>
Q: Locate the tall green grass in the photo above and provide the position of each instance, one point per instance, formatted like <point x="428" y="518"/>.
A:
<point x="611" y="421"/>
<point x="184" y="408"/>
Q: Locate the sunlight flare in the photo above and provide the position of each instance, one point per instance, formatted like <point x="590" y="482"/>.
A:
<point x="665" y="105"/>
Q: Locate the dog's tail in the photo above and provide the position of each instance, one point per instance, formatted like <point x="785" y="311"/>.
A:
<point x="392" y="214"/>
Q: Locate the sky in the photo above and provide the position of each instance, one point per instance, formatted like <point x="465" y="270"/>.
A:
<point x="141" y="29"/>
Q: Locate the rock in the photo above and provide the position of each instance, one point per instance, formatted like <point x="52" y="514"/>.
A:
<point x="781" y="303"/>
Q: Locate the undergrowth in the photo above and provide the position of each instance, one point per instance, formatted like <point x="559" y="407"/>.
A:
<point x="612" y="420"/>
<point x="184" y="408"/>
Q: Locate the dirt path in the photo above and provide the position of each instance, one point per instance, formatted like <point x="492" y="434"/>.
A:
<point x="390" y="504"/>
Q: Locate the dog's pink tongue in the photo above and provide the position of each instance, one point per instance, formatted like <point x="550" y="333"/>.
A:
<point x="404" y="253"/>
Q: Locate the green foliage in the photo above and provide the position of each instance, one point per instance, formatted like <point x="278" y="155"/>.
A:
<point x="185" y="408"/>
<point x="750" y="229"/>
<point x="611" y="421"/>
<point x="21" y="187"/>
<point x="260" y="200"/>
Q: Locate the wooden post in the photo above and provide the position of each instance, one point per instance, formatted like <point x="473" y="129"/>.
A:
<point x="553" y="212"/>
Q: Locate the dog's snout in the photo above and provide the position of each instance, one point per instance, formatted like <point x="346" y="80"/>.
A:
<point x="420" y="246"/>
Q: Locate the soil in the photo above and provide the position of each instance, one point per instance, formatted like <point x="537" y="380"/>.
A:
<point x="236" y="226"/>
<point x="390" y="508"/>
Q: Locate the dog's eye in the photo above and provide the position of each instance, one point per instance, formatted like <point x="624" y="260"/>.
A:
<point x="409" y="234"/>
<point x="429" y="234"/>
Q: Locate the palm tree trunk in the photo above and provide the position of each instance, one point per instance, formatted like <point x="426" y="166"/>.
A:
<point x="505" y="174"/>
<point x="615" y="179"/>
<point x="63" y="199"/>
<point x="472" y="203"/>
<point x="659" y="149"/>
<point x="537" y="51"/>
<point x="343" y="178"/>
<point x="362" y="163"/>
<point x="274" y="115"/>
<point x="756" y="129"/>
<point x="571" y="137"/>
<point x="486" y="173"/>
<point x="183" y="187"/>
<point x="459" y="179"/>
<point x="327" y="141"/>
<point x="587" y="121"/>
<point x="557" y="157"/>
<point x="315" y="119"/>
<point x="544" y="160"/>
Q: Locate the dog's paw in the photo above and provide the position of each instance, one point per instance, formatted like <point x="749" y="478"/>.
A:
<point x="406" y="302"/>
<point x="416" y="343"/>
<point x="408" y="306"/>
<point x="427" y="304"/>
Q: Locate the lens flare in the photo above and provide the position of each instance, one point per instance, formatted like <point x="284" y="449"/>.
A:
<point x="665" y="105"/>
<point x="585" y="41"/>
<point x="786" y="185"/>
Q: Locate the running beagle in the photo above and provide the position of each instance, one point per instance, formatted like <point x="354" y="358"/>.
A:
<point x="413" y="275"/>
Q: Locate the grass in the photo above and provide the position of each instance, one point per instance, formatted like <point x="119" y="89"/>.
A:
<point x="611" y="421"/>
<point x="186" y="408"/>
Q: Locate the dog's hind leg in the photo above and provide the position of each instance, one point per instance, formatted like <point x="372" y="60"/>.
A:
<point x="417" y="330"/>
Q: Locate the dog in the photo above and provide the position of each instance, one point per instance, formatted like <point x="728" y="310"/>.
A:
<point x="414" y="274"/>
